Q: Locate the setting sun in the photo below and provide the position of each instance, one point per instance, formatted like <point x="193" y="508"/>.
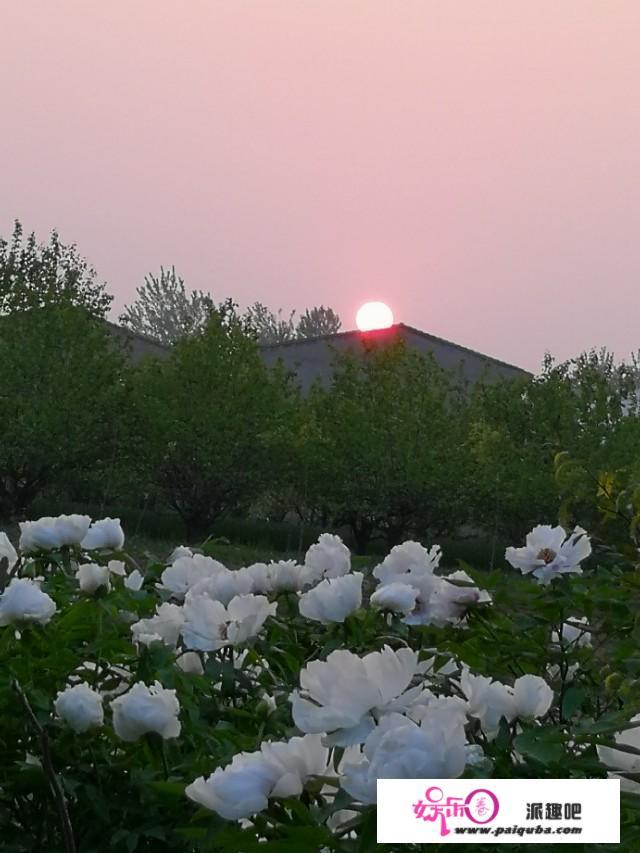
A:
<point x="374" y="315"/>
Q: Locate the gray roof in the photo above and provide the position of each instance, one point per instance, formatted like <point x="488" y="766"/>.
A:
<point x="139" y="346"/>
<point x="311" y="359"/>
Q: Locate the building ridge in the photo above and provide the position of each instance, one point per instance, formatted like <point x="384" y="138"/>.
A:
<point x="431" y="337"/>
<point x="306" y="348"/>
<point x="396" y="326"/>
<point x="142" y="335"/>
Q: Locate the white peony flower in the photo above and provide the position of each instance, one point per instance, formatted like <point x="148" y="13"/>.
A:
<point x="399" y="748"/>
<point x="294" y="762"/>
<point x="572" y="633"/>
<point x="427" y="598"/>
<point x="427" y="703"/>
<point x="209" y="625"/>
<point x="143" y="710"/>
<point x="92" y="577"/>
<point x="224" y="585"/>
<point x="244" y="787"/>
<point x="205" y="623"/>
<point x="237" y="791"/>
<point x="397" y="597"/>
<point x="24" y="601"/>
<point x="328" y="558"/>
<point x="185" y="572"/>
<point x="532" y="697"/>
<point x="489" y="701"/>
<point x="80" y="707"/>
<point x="39" y="535"/>
<point x="287" y="576"/>
<point x="259" y="574"/>
<point x="105" y="533"/>
<point x="71" y="529"/>
<point x="117" y="567"/>
<point x="344" y="694"/>
<point x="164" y="627"/>
<point x="134" y="581"/>
<point x="179" y="551"/>
<point x="441" y="602"/>
<point x="550" y="552"/>
<point x="246" y="614"/>
<point x="624" y="762"/>
<point x="7" y="551"/>
<point x="332" y="600"/>
<point x="405" y="558"/>
<point x="49" y="533"/>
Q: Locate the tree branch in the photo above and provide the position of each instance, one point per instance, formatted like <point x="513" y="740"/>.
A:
<point x="54" y="782"/>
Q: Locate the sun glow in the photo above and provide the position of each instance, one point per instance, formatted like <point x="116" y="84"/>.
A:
<point x="374" y="315"/>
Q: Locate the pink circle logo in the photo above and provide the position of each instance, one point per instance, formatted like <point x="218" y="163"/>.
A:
<point x="481" y="806"/>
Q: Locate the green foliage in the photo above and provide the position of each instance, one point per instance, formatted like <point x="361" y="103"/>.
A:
<point x="165" y="311"/>
<point x="213" y="418"/>
<point x="608" y="500"/>
<point x="268" y="327"/>
<point x="65" y="421"/>
<point x="36" y="275"/>
<point x="384" y="446"/>
<point x="586" y="406"/>
<point x="131" y="795"/>
<point x="318" y="321"/>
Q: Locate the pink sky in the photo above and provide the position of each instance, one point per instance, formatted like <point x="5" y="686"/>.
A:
<point x="474" y="164"/>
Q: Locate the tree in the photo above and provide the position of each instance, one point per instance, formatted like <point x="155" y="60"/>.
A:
<point x="386" y="454"/>
<point x="272" y="328"/>
<point x="212" y="417"/>
<point x="267" y="327"/>
<point x="584" y="406"/>
<point x="165" y="311"/>
<point x="61" y="387"/>
<point x="35" y="275"/>
<point x="318" y="321"/>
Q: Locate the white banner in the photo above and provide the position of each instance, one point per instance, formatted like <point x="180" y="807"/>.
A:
<point x="495" y="811"/>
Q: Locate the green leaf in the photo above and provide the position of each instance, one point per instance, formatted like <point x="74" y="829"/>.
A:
<point x="169" y="789"/>
<point x="544" y="744"/>
<point x="572" y="701"/>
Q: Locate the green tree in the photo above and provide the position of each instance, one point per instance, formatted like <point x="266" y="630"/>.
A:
<point x="386" y="453"/>
<point x="34" y="275"/>
<point x="212" y="419"/>
<point x="267" y="327"/>
<point x="61" y="386"/>
<point x="164" y="310"/>
<point x="585" y="406"/>
<point x="272" y="328"/>
<point x="318" y="321"/>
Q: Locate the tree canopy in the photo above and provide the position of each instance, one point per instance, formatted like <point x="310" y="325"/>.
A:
<point x="271" y="327"/>
<point x="61" y="385"/>
<point x="35" y="275"/>
<point x="164" y="310"/>
<point x="210" y="414"/>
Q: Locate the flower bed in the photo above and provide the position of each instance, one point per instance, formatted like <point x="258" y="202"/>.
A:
<point x="186" y="706"/>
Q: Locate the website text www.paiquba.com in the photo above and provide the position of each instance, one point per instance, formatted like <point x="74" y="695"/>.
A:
<point x="518" y="830"/>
